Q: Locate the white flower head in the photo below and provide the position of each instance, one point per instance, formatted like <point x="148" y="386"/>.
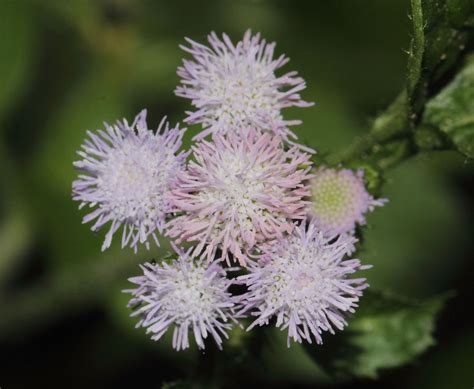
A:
<point x="126" y="175"/>
<point x="187" y="295"/>
<point x="239" y="192"/>
<point x="234" y="86"/>
<point x="304" y="282"/>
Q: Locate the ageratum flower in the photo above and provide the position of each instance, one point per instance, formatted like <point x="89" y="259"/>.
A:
<point x="240" y="192"/>
<point x="340" y="200"/>
<point x="304" y="283"/>
<point x="127" y="172"/>
<point x="233" y="86"/>
<point x="187" y="295"/>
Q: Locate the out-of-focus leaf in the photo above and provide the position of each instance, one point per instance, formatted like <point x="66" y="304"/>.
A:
<point x="96" y="98"/>
<point x="290" y="365"/>
<point x="185" y="384"/>
<point x="61" y="293"/>
<point x="15" y="239"/>
<point x="452" y="111"/>
<point x="17" y="43"/>
<point x="423" y="226"/>
<point x="441" y="31"/>
<point x="80" y="14"/>
<point x="16" y="232"/>
<point x="387" y="331"/>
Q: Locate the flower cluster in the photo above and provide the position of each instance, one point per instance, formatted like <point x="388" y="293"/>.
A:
<point x="248" y="195"/>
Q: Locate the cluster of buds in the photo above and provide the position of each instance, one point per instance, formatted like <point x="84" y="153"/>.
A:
<point x="245" y="197"/>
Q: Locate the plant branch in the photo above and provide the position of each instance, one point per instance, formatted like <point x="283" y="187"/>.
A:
<point x="387" y="126"/>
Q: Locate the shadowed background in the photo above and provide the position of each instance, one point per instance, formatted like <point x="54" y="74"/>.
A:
<point x="67" y="66"/>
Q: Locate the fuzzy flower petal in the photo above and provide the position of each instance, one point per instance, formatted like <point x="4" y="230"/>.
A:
<point x="340" y="200"/>
<point x="303" y="282"/>
<point x="233" y="86"/>
<point x="127" y="171"/>
<point x="240" y="192"/>
<point x="187" y="295"/>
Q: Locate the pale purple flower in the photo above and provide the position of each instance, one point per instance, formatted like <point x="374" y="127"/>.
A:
<point x="186" y="295"/>
<point x="339" y="200"/>
<point x="127" y="172"/>
<point x="234" y="86"/>
<point x="304" y="283"/>
<point x="241" y="191"/>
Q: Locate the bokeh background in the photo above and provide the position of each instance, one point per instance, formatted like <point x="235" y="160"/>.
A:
<point x="67" y="66"/>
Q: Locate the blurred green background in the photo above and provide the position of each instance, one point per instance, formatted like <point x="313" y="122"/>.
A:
<point x="67" y="66"/>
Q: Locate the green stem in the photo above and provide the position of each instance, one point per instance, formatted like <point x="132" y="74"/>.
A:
<point x="417" y="47"/>
<point x="389" y="125"/>
<point x="395" y="153"/>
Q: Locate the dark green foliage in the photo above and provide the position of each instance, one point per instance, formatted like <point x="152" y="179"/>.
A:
<point x="452" y="111"/>
<point x="442" y="30"/>
<point x="387" y="331"/>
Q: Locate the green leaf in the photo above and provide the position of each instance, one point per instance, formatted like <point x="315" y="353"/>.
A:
<point x="387" y="331"/>
<point x="441" y="32"/>
<point x="452" y="111"/>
